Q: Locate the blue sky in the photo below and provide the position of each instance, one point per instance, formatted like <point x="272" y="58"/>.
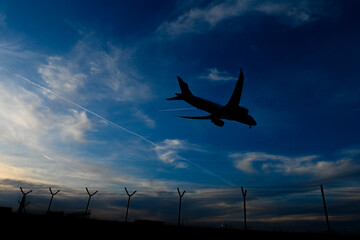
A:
<point x="83" y="87"/>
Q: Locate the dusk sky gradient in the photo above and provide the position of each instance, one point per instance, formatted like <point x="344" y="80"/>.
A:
<point x="83" y="87"/>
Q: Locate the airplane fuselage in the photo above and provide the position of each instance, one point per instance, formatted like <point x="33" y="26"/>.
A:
<point x="204" y="104"/>
<point x="238" y="113"/>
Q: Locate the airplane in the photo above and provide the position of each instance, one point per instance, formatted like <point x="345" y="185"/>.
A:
<point x="230" y="111"/>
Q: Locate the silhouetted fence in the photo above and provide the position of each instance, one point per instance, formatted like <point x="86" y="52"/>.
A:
<point x="315" y="208"/>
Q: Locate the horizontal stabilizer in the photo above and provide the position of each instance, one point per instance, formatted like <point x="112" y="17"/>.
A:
<point x="185" y="92"/>
<point x="178" y="97"/>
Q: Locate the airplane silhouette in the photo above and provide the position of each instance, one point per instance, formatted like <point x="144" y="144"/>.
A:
<point x="231" y="111"/>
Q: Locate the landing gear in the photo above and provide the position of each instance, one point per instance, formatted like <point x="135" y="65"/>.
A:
<point x="250" y="126"/>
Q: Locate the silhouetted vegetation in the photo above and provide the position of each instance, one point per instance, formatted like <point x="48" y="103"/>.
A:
<point x="61" y="226"/>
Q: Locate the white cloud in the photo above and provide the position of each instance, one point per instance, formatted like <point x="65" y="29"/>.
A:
<point x="199" y="20"/>
<point x="89" y="71"/>
<point x="26" y="119"/>
<point x="61" y="76"/>
<point x="167" y="152"/>
<point x="284" y="8"/>
<point x="29" y="135"/>
<point x="39" y="135"/>
<point x="253" y="162"/>
<point x="93" y="73"/>
<point x="296" y="12"/>
<point x="75" y="126"/>
<point x="21" y="114"/>
<point x="214" y="74"/>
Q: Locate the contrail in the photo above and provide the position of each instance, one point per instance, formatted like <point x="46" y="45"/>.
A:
<point x="176" y="109"/>
<point x="118" y="126"/>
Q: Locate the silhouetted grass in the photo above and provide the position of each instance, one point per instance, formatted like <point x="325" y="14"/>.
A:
<point x="67" y="227"/>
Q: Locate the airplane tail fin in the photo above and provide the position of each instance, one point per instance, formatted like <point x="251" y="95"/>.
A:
<point x="235" y="97"/>
<point x="185" y="92"/>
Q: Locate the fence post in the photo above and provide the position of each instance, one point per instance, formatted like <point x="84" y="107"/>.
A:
<point x="244" y="195"/>
<point x="23" y="202"/>
<point x="181" y="196"/>
<point x="325" y="209"/>
<point x="90" y="195"/>
<point x="128" y="203"/>
<point x="51" y="199"/>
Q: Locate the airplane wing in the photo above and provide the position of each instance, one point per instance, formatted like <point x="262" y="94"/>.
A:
<point x="214" y="120"/>
<point x="235" y="97"/>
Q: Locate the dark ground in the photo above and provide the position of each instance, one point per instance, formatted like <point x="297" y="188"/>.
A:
<point x="42" y="226"/>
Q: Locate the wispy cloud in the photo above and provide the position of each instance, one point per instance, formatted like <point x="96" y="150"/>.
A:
<point x="25" y="118"/>
<point x="36" y="138"/>
<point x="74" y="126"/>
<point x="214" y="74"/>
<point x="90" y="71"/>
<point x="167" y="151"/>
<point x="311" y="165"/>
<point x="246" y="161"/>
<point x="202" y="19"/>
<point x="297" y="13"/>
<point x="22" y="116"/>
<point x="61" y="75"/>
<point x="142" y="117"/>
<point x="198" y="20"/>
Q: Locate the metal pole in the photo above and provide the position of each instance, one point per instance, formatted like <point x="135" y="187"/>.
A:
<point x="244" y="195"/>
<point x="179" y="213"/>
<point x="52" y="196"/>
<point x="23" y="203"/>
<point x="128" y="203"/>
<point x="127" y="209"/>
<point x="87" y="206"/>
<point x="88" y="203"/>
<point x="180" y="195"/>
<point x="325" y="209"/>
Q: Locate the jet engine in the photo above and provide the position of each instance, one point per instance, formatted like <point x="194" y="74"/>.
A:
<point x="217" y="122"/>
